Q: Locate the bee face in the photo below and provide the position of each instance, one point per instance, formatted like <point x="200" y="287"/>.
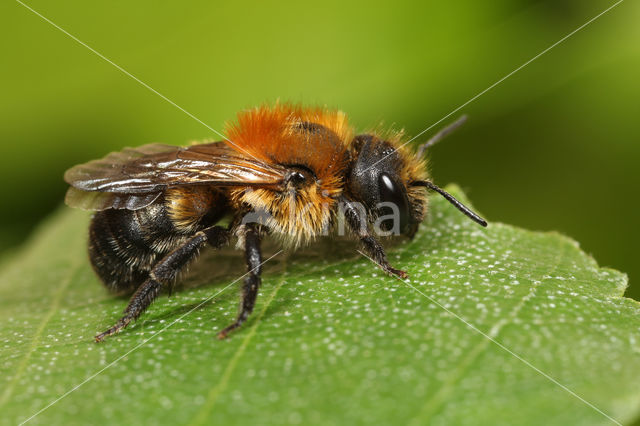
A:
<point x="380" y="179"/>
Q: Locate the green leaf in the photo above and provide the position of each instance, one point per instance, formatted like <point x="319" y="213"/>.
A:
<point x="495" y="326"/>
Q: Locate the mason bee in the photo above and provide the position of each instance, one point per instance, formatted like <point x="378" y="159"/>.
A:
<point x="283" y="170"/>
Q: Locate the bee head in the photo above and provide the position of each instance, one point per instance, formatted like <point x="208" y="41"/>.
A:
<point x="379" y="180"/>
<point x="390" y="181"/>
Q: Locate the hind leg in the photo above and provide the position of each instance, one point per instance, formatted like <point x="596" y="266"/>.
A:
<point x="165" y="272"/>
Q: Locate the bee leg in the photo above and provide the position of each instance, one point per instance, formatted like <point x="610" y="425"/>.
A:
<point x="375" y="250"/>
<point x="356" y="219"/>
<point x="165" y="272"/>
<point x="253" y="257"/>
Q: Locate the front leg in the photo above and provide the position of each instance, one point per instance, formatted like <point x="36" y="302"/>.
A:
<point x="373" y="248"/>
<point x="252" y="281"/>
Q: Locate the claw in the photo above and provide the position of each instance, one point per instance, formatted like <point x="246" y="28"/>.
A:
<point x="397" y="272"/>
<point x="100" y="337"/>
<point x="113" y="330"/>
<point x="225" y="332"/>
<point x="400" y="274"/>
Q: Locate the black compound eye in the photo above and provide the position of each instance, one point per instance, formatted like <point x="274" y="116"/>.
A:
<point x="391" y="192"/>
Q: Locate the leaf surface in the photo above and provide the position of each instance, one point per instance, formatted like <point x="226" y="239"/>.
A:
<point x="494" y="326"/>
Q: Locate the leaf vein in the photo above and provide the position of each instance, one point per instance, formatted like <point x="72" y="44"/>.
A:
<point x="437" y="401"/>
<point x="55" y="305"/>
<point x="214" y="393"/>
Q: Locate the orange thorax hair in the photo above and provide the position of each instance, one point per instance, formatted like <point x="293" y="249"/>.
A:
<point x="289" y="135"/>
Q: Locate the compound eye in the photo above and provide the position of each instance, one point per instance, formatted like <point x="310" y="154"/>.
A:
<point x="391" y="192"/>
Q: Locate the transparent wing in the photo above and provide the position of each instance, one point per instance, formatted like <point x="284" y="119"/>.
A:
<point x="92" y="200"/>
<point x="152" y="168"/>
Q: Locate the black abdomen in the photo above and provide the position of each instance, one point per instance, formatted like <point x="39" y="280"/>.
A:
<point x="124" y="245"/>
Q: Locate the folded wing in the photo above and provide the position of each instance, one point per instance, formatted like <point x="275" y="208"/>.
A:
<point x="134" y="177"/>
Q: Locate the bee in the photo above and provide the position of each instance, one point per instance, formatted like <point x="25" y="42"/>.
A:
<point x="283" y="170"/>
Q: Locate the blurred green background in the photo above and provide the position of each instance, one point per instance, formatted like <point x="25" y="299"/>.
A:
<point x="553" y="147"/>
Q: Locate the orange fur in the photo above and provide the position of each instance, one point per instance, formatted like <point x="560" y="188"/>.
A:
<point x="272" y="134"/>
<point x="187" y="205"/>
<point x="268" y="133"/>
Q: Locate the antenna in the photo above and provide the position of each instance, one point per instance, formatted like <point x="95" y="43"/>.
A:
<point x="450" y="198"/>
<point x="440" y="135"/>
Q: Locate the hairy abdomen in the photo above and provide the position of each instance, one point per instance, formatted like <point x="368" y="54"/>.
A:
<point x="124" y="245"/>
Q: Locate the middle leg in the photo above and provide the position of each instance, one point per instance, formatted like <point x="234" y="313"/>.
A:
<point x="252" y="281"/>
